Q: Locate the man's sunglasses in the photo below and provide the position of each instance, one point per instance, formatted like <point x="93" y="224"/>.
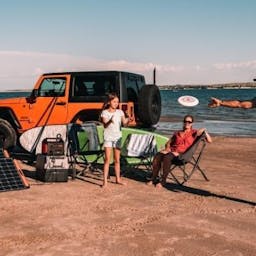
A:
<point x="187" y="121"/>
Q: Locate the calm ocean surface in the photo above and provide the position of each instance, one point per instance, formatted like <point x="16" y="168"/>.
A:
<point x="218" y="121"/>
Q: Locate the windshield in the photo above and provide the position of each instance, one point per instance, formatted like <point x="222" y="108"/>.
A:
<point x="52" y="87"/>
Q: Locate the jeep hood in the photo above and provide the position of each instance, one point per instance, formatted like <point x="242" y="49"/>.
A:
<point x="12" y="101"/>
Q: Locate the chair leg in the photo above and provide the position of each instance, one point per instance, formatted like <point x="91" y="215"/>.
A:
<point x="145" y="162"/>
<point x="203" y="174"/>
<point x="185" y="175"/>
<point x="197" y="167"/>
<point x="73" y="168"/>
<point x="173" y="176"/>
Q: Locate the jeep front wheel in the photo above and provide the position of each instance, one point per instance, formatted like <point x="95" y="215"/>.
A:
<point x="7" y="134"/>
<point x="149" y="105"/>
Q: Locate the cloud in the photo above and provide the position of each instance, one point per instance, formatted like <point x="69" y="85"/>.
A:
<point x="27" y="66"/>
<point x="236" y="65"/>
<point x="20" y="69"/>
<point x="198" y="68"/>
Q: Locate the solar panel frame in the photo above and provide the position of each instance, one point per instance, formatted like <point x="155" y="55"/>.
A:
<point x="10" y="178"/>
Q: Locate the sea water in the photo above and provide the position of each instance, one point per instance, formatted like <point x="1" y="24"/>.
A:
<point x="218" y="121"/>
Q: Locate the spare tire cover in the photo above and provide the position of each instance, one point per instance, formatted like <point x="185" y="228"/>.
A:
<point x="149" y="105"/>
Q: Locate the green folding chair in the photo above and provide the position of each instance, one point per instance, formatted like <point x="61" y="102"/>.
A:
<point x="86" y="147"/>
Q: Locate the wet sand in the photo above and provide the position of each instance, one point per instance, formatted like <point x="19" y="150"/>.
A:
<point x="80" y="218"/>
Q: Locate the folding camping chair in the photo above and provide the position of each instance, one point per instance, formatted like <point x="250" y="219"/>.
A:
<point x="192" y="157"/>
<point x="138" y="151"/>
<point x="85" y="147"/>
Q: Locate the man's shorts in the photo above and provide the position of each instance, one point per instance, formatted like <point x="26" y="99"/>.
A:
<point x="113" y="143"/>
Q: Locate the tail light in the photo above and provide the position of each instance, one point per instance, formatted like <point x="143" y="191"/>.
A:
<point x="124" y="107"/>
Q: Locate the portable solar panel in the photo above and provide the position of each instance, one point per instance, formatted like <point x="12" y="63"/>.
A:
<point x="11" y="176"/>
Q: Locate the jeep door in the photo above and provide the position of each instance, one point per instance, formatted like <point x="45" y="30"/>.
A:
<point x="50" y="104"/>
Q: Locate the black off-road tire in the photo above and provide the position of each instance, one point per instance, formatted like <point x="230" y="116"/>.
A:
<point x="7" y="134"/>
<point x="149" y="105"/>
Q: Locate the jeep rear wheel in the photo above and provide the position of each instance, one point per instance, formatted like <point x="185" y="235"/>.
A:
<point x="149" y="105"/>
<point x="7" y="134"/>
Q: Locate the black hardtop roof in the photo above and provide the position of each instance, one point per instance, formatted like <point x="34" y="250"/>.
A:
<point x="90" y="72"/>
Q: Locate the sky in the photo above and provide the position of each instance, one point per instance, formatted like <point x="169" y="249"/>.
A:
<point x="187" y="41"/>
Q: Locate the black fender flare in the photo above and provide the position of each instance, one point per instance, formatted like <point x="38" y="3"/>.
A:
<point x="8" y="115"/>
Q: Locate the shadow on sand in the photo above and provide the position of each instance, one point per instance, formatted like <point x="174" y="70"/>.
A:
<point x="143" y="176"/>
<point x="196" y="191"/>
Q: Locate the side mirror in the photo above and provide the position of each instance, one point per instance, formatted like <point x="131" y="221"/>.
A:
<point x="34" y="93"/>
<point x="33" y="96"/>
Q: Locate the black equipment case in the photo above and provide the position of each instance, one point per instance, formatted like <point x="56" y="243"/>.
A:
<point x="52" y="168"/>
<point x="52" y="165"/>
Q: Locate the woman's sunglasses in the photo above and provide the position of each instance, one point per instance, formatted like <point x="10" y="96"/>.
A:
<point x="187" y="121"/>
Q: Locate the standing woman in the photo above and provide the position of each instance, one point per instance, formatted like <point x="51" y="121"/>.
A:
<point x="177" y="144"/>
<point x="112" y="118"/>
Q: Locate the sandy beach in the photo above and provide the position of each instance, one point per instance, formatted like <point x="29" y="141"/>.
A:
<point x="80" y="218"/>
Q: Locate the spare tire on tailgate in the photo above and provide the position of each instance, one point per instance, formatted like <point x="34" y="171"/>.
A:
<point x="149" y="105"/>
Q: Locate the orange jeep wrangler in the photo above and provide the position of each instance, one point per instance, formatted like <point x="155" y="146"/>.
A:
<point x="62" y="98"/>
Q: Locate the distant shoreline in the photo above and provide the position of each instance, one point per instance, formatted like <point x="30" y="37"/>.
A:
<point x="249" y="85"/>
<point x="15" y="90"/>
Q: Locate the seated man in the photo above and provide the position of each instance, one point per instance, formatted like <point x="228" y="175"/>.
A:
<point x="232" y="103"/>
<point x="177" y="144"/>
